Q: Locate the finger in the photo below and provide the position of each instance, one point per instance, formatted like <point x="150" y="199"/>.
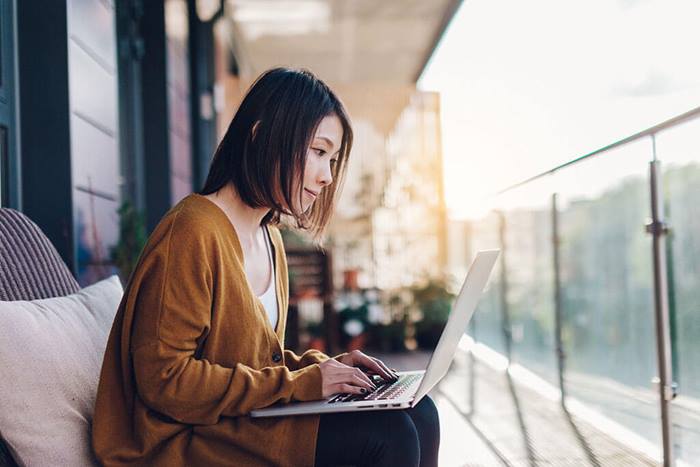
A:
<point x="354" y="376"/>
<point x="369" y="370"/>
<point x="359" y="374"/>
<point x="362" y="384"/>
<point x="350" y="389"/>
<point x="370" y="363"/>
<point x="391" y="371"/>
<point x="385" y="372"/>
<point x="358" y="381"/>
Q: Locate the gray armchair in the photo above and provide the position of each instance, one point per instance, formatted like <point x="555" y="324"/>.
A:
<point x="30" y="269"/>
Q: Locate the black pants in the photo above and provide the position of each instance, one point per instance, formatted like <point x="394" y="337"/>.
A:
<point x="409" y="437"/>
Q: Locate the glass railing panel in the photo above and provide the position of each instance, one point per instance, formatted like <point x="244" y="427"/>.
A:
<point x="607" y="287"/>
<point x="678" y="149"/>
<point x="528" y="251"/>
<point x="486" y="325"/>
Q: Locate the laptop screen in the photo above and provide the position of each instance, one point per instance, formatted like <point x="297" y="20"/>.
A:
<point x="460" y="315"/>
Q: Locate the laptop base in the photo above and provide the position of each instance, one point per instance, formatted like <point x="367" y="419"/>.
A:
<point x="322" y="406"/>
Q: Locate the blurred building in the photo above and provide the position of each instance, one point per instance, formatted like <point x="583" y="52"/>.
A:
<point x="102" y="102"/>
<point x="397" y="235"/>
<point x="105" y="101"/>
<point x="459" y="245"/>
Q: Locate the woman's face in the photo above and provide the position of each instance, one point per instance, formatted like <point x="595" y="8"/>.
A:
<point x="320" y="157"/>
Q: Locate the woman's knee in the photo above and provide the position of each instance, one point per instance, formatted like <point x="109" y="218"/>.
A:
<point x="400" y="443"/>
<point x="427" y="421"/>
<point x="426" y="413"/>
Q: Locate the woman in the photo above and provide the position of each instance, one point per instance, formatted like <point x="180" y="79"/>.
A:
<point x="197" y="342"/>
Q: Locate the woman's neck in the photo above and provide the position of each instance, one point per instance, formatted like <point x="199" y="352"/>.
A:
<point x="245" y="219"/>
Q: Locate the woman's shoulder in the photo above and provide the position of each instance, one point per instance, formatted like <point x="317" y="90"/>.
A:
<point x="193" y="220"/>
<point x="195" y="211"/>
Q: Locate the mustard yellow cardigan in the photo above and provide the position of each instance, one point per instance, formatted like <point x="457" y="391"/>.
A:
<point x="192" y="352"/>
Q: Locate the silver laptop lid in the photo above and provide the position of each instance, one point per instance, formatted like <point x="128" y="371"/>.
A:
<point x="462" y="311"/>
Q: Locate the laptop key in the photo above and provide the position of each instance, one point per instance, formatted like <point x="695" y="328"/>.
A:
<point x="384" y="391"/>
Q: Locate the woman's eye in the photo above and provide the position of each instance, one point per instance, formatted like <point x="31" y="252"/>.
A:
<point x="320" y="152"/>
<point x="333" y="161"/>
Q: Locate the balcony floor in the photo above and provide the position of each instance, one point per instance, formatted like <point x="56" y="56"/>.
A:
<point x="508" y="423"/>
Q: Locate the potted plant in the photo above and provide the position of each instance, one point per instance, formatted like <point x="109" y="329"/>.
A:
<point x="389" y="333"/>
<point x="434" y="302"/>
<point x="389" y="337"/>
<point x="132" y="239"/>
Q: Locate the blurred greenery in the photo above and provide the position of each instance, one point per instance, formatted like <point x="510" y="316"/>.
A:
<point x="607" y="283"/>
<point x="434" y="302"/>
<point x="132" y="239"/>
<point x="682" y="192"/>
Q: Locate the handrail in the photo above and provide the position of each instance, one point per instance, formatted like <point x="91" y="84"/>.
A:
<point x="689" y="115"/>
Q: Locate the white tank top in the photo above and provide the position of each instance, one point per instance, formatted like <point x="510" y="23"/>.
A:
<point x="269" y="297"/>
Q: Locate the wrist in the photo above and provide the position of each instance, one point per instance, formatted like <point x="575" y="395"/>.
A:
<point x="341" y="357"/>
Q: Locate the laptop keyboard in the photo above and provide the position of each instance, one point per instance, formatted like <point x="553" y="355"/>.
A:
<point x="385" y="390"/>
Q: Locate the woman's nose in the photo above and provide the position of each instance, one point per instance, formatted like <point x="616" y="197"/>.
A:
<point x="325" y="176"/>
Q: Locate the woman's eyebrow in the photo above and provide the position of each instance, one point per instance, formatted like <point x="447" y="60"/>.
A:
<point x="328" y="142"/>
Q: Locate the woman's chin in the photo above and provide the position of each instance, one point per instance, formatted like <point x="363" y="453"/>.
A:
<point x="304" y="210"/>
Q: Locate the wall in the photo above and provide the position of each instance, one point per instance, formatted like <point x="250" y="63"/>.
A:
<point x="94" y="133"/>
<point x="178" y="84"/>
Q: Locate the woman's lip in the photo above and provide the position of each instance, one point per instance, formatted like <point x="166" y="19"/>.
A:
<point x="311" y="192"/>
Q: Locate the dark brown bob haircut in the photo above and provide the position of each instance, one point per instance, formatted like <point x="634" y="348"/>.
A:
<point x="263" y="164"/>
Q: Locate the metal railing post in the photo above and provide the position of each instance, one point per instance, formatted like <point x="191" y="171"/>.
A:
<point x="658" y="229"/>
<point x="557" y="296"/>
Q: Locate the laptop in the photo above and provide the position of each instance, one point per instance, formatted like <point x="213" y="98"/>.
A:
<point x="411" y="386"/>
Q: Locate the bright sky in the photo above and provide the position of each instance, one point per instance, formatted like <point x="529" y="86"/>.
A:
<point x="528" y="85"/>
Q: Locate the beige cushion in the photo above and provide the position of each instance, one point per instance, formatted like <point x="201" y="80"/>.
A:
<point x="50" y="358"/>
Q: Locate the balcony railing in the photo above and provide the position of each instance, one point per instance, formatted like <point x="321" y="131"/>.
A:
<point x="598" y="285"/>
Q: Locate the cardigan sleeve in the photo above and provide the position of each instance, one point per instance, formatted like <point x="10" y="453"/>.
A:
<point x="171" y="381"/>
<point x="294" y="361"/>
<point x="311" y="356"/>
<point x="172" y="302"/>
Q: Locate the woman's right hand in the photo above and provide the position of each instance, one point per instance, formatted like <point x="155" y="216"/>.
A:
<point x="340" y="378"/>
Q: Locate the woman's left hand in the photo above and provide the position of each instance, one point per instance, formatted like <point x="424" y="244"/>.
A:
<point x="360" y="359"/>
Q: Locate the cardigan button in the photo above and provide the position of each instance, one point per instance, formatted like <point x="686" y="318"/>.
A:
<point x="276" y="357"/>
